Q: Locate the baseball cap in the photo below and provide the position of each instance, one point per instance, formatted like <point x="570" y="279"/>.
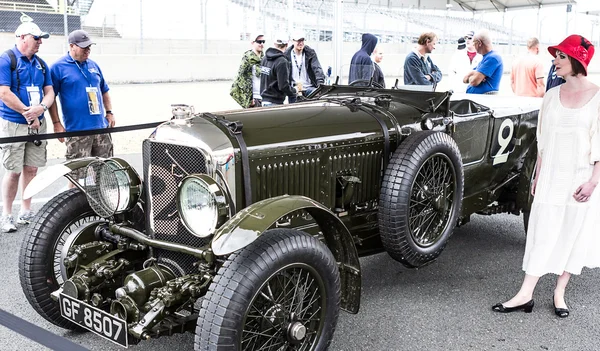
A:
<point x="30" y="28"/>
<point x="80" y="38"/>
<point x="281" y="39"/>
<point x="461" y="44"/>
<point x="298" y="34"/>
<point x="255" y="36"/>
<point x="470" y="34"/>
<point x="576" y="47"/>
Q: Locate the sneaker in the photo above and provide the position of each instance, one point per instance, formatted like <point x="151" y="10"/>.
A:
<point x="8" y="224"/>
<point x="25" y="217"/>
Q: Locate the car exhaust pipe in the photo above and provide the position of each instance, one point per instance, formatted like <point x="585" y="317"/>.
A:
<point x="206" y="255"/>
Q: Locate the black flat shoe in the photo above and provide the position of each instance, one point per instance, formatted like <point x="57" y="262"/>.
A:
<point x="526" y="307"/>
<point x="561" y="312"/>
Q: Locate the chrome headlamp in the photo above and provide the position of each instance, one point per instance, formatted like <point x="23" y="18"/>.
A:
<point x="111" y="186"/>
<point x="202" y="204"/>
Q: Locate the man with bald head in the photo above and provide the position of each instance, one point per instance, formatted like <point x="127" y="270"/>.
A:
<point x="485" y="78"/>
<point x="377" y="58"/>
<point x="527" y="74"/>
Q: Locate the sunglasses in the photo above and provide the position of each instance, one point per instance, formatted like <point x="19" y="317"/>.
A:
<point x="468" y="38"/>
<point x="260" y="41"/>
<point x="35" y="37"/>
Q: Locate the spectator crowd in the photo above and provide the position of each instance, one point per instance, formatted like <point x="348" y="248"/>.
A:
<point x="290" y="69"/>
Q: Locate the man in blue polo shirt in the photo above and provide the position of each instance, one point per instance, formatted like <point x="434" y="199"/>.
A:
<point x="485" y="79"/>
<point x="25" y="94"/>
<point x="84" y="99"/>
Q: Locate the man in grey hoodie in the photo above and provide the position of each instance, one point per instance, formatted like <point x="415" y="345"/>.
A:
<point x="361" y="65"/>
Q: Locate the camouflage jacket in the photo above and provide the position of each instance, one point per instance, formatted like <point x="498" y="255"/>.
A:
<point x="241" y="89"/>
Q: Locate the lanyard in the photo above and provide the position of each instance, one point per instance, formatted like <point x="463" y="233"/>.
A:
<point x="86" y="77"/>
<point x="32" y="70"/>
<point x="301" y="65"/>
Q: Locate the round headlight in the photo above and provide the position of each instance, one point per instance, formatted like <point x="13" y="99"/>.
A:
<point x="201" y="204"/>
<point x="109" y="188"/>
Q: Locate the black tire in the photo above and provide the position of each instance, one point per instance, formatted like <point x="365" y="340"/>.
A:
<point x="524" y="197"/>
<point x="415" y="217"/>
<point x="235" y="309"/>
<point x="38" y="270"/>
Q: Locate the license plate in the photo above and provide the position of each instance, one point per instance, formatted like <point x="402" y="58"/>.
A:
<point x="94" y="319"/>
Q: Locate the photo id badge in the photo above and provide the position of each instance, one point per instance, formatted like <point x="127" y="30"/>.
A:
<point x="34" y="96"/>
<point x="93" y="101"/>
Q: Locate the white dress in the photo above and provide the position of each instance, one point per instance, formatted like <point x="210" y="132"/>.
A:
<point x="564" y="235"/>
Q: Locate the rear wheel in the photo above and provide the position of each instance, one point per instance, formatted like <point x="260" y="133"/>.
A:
<point x="40" y="258"/>
<point x="420" y="198"/>
<point x="281" y="292"/>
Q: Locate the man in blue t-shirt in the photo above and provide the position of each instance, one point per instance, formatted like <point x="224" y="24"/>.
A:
<point x="25" y="94"/>
<point x="84" y="99"/>
<point x="485" y="78"/>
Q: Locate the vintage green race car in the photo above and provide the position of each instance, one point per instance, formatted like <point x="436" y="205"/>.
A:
<point x="247" y="226"/>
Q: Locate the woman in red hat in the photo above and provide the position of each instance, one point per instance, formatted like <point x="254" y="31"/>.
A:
<point x="563" y="226"/>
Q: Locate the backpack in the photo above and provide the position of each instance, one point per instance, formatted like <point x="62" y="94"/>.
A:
<point x="13" y="66"/>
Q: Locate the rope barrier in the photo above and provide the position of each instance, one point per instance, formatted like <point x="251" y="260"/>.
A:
<point x="37" y="137"/>
<point x="37" y="334"/>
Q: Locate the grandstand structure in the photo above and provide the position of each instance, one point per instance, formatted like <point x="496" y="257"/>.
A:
<point x="391" y="24"/>
<point x="51" y="15"/>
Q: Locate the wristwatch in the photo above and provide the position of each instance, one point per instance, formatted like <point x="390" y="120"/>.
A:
<point x="109" y="112"/>
<point x="44" y="106"/>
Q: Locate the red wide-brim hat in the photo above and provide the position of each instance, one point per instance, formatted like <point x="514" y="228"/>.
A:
<point x="576" y="47"/>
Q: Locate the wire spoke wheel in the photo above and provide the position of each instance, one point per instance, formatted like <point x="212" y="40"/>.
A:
<point x="281" y="292"/>
<point x="421" y="198"/>
<point x="431" y="200"/>
<point x="287" y="313"/>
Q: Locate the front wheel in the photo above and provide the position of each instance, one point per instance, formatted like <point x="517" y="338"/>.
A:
<point x="41" y="251"/>
<point x="281" y="292"/>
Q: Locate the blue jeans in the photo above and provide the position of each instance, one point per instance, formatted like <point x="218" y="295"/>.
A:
<point x="305" y="92"/>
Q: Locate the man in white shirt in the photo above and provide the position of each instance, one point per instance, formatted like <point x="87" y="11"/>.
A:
<point x="305" y="68"/>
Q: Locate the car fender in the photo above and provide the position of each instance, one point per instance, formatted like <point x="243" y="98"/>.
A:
<point x="248" y="224"/>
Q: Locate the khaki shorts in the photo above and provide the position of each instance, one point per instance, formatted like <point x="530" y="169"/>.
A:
<point x="17" y="155"/>
<point x="99" y="145"/>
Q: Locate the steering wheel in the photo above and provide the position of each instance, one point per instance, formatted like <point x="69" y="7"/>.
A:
<point x="367" y="83"/>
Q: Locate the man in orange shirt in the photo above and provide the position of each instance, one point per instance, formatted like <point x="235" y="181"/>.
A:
<point x="527" y="75"/>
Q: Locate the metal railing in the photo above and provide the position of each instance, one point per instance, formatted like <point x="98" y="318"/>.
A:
<point x="28" y="7"/>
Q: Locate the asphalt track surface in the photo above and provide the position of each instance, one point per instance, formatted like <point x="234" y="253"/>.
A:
<point x="443" y="306"/>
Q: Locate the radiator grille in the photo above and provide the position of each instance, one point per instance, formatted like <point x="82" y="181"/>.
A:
<point x="162" y="176"/>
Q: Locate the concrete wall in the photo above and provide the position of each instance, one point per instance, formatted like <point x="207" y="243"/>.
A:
<point x="185" y="60"/>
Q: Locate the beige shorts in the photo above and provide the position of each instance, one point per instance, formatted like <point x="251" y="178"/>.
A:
<point x="17" y="155"/>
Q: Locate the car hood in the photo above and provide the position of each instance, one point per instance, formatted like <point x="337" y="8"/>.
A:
<point x="310" y="124"/>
